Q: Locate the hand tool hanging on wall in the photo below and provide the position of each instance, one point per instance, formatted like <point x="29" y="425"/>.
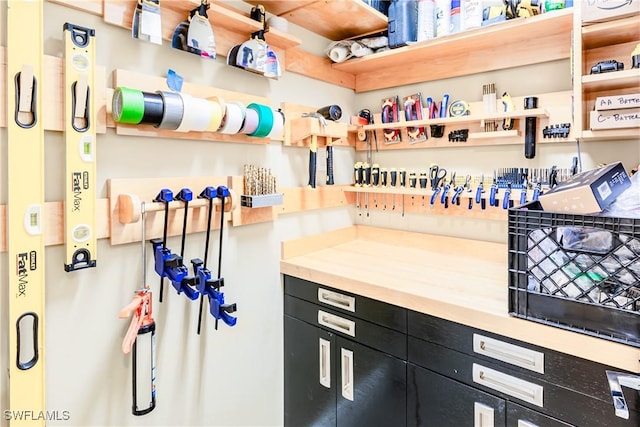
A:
<point x="391" y="114"/>
<point x="313" y="149"/>
<point x="413" y="111"/>
<point x="530" y="102"/>
<point x="195" y="34"/>
<point x="25" y="207"/>
<point x="393" y="180"/>
<point x="162" y="255"/>
<point x="142" y="329"/>
<point x="507" y="103"/>
<point x="147" y="22"/>
<point x="333" y="113"/>
<point x="80" y="141"/>
<point x="479" y="192"/>
<point x="206" y="285"/>
<point x="168" y="264"/>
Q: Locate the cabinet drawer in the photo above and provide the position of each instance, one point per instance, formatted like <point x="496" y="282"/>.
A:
<point x="556" y="401"/>
<point x="387" y="315"/>
<point x="519" y="416"/>
<point x="358" y="330"/>
<point x="581" y="375"/>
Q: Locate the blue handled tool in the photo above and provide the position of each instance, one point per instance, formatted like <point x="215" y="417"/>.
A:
<point x="536" y="192"/>
<point x="479" y="192"/>
<point x="443" y="198"/>
<point x="523" y="196"/>
<point x="493" y="192"/>
<point x="161" y="253"/>
<point x="206" y="285"/>
<point x="506" y="200"/>
<point x="459" y="189"/>
<point x="168" y="264"/>
<point x="436" y="177"/>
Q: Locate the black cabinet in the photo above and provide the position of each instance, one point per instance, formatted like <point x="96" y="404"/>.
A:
<point x="354" y="361"/>
<point x="342" y="367"/>
<point x="539" y="386"/>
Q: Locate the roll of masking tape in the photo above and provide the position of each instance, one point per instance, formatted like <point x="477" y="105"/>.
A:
<point x="217" y="110"/>
<point x="173" y="110"/>
<point x="202" y="114"/>
<point x="278" y="124"/>
<point x="251" y="121"/>
<point x="233" y="118"/>
<point x="265" y="119"/>
<point x="127" y="105"/>
<point x="153" y="109"/>
<point x="189" y="116"/>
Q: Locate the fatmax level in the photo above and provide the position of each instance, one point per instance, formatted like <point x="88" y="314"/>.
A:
<point x="25" y="220"/>
<point x="80" y="136"/>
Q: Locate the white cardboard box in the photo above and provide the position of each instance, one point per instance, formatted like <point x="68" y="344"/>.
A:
<point x="615" y="119"/>
<point x="604" y="10"/>
<point x="616" y="102"/>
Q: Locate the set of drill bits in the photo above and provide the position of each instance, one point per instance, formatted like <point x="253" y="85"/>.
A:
<point x="489" y="106"/>
<point x="259" y="188"/>
<point x="258" y="181"/>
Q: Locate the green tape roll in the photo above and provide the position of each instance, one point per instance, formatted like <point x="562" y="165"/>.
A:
<point x="127" y="105"/>
<point x="265" y="120"/>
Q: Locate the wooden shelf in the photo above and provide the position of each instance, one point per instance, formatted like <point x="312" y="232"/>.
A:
<point x="555" y="108"/>
<point x="230" y="26"/>
<point x="534" y="112"/>
<point x="149" y="83"/>
<point x="611" y="32"/>
<point x="613" y="80"/>
<point x="611" y="135"/>
<point x="298" y="130"/>
<point x="333" y="19"/>
<point x="514" y="43"/>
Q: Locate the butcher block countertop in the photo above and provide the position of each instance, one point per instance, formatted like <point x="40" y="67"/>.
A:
<point x="461" y="280"/>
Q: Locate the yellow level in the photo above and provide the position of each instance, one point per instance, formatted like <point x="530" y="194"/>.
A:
<point x="80" y="135"/>
<point x="25" y="213"/>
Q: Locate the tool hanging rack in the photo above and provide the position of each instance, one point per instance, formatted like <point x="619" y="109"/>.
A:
<point x="554" y="107"/>
<point x="298" y="130"/>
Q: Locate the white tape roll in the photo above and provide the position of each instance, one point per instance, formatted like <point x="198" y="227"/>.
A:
<point x="251" y="121"/>
<point x="202" y="112"/>
<point x="278" y="124"/>
<point x="233" y="118"/>
<point x="188" y="116"/>
<point x="338" y="54"/>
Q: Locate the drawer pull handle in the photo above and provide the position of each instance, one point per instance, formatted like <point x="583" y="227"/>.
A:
<point x="347" y="373"/>
<point x="325" y="363"/>
<point x="509" y="353"/>
<point x="335" y="299"/>
<point x="523" y="423"/>
<point x="337" y="323"/>
<point x="521" y="389"/>
<point x="616" y="381"/>
<point x="482" y="415"/>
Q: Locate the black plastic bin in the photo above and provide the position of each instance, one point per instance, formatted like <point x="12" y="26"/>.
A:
<point x="577" y="272"/>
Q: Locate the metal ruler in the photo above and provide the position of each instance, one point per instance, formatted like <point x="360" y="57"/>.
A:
<point x="25" y="212"/>
<point x="80" y="136"/>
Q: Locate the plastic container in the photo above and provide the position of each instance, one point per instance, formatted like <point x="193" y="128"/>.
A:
<point x="403" y="22"/>
<point x="576" y="272"/>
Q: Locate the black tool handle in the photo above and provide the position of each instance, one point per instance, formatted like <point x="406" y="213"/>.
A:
<point x="329" y="165"/>
<point x="312" y="168"/>
<point x="530" y="137"/>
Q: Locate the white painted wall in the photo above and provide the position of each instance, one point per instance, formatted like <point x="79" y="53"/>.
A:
<point x="228" y="377"/>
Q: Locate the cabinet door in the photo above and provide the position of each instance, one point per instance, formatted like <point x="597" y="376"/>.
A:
<point x="309" y="375"/>
<point x="437" y="401"/>
<point x="371" y="387"/>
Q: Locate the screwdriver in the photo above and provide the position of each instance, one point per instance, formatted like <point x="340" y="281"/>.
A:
<point x="393" y="176"/>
